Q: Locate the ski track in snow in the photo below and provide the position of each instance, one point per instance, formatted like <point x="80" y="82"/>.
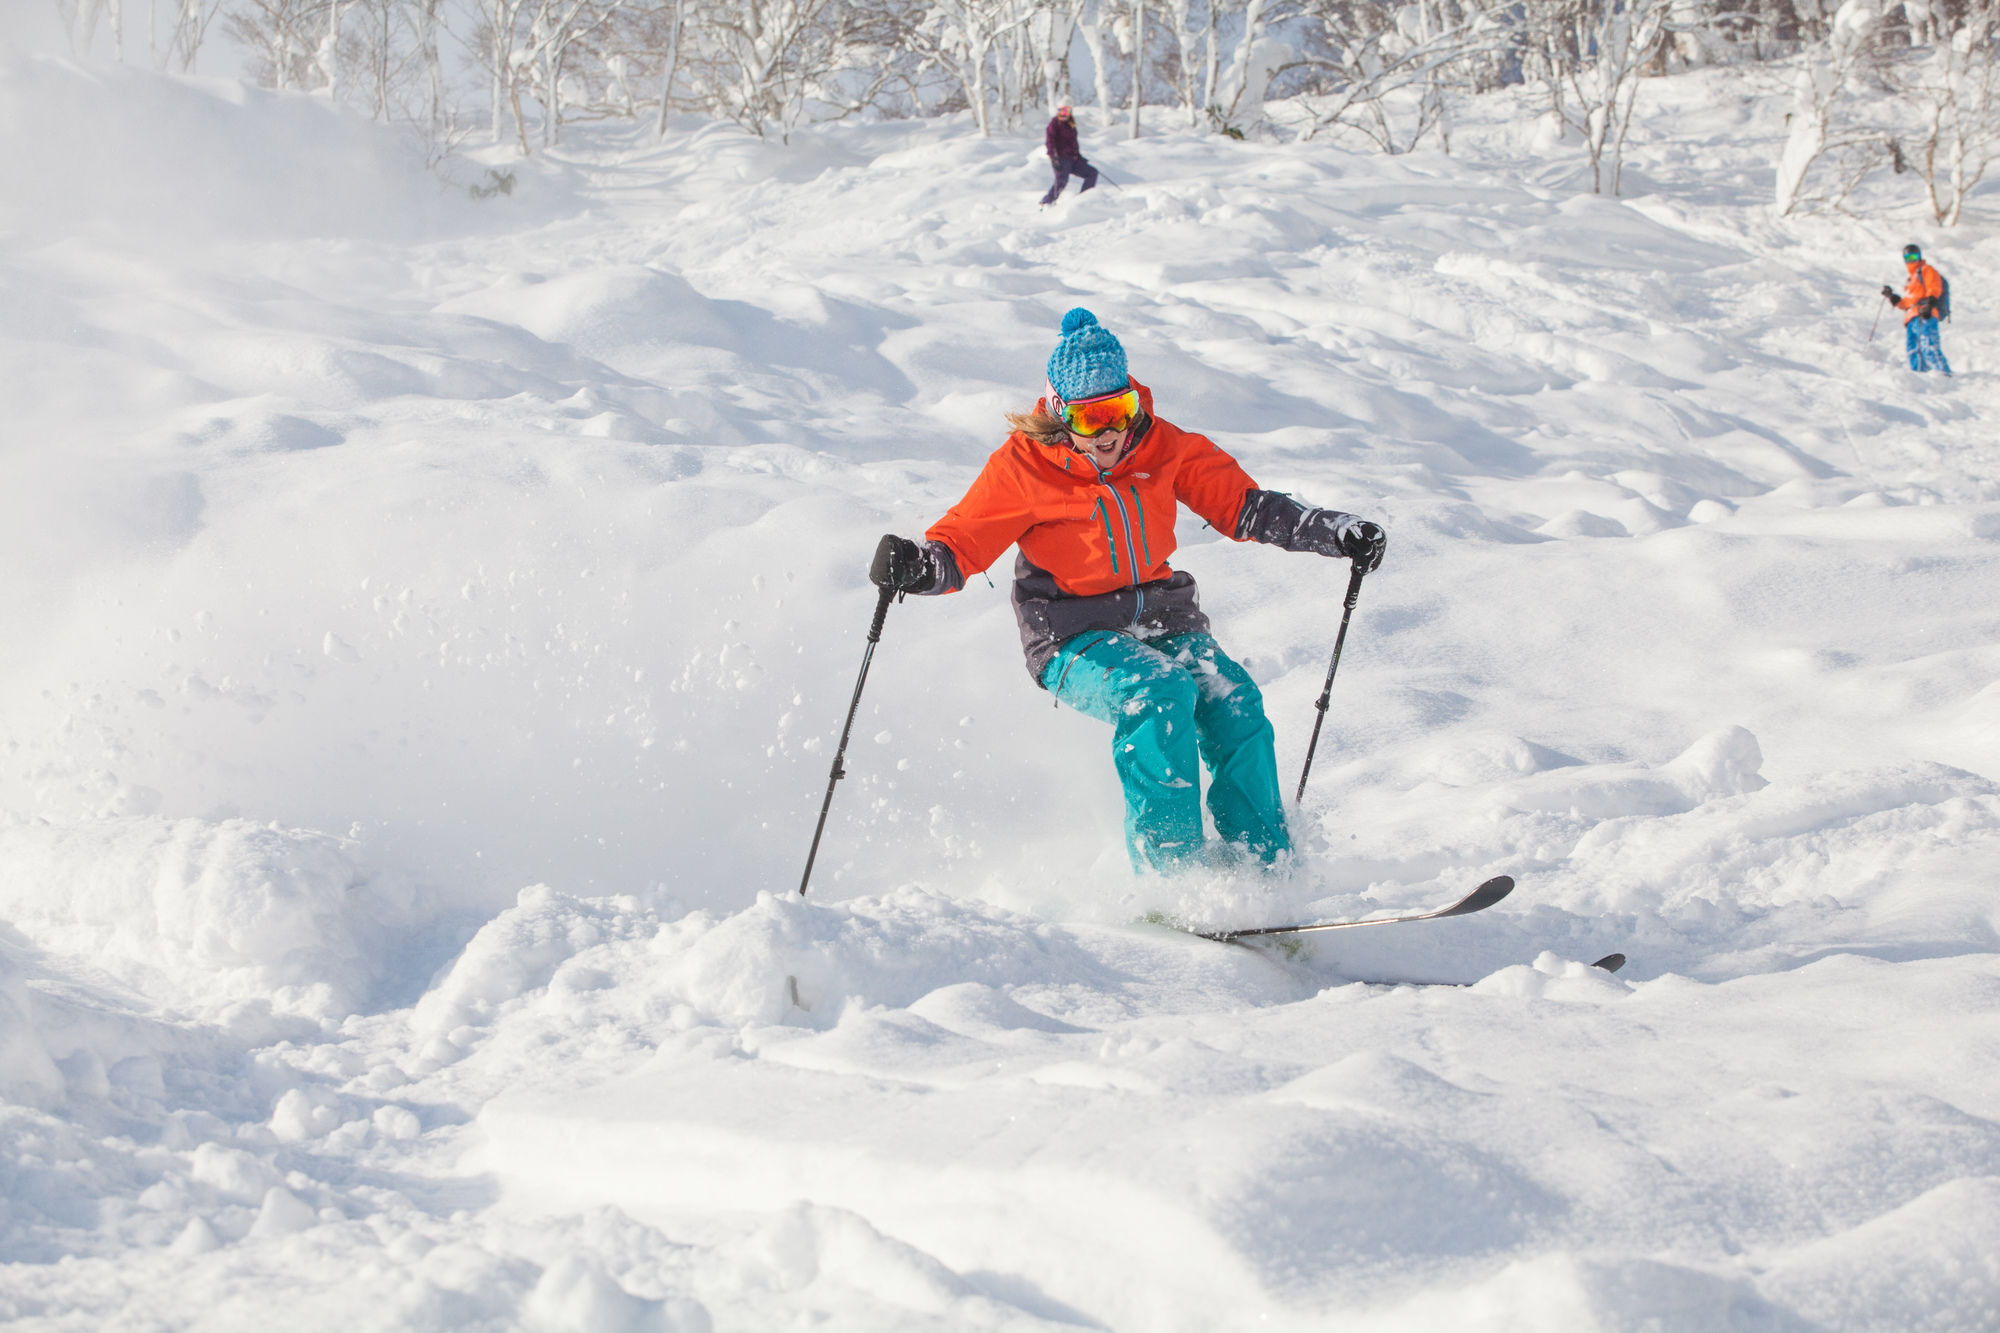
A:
<point x="432" y="619"/>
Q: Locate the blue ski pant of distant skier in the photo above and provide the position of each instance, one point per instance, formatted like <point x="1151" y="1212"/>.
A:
<point x="1070" y="166"/>
<point x="1920" y="335"/>
<point x="1175" y="704"/>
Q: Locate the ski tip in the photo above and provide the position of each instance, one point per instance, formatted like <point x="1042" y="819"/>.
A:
<point x="1483" y="897"/>
<point x="1611" y="962"/>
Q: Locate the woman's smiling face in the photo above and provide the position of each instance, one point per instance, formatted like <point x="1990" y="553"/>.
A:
<point x="1103" y="450"/>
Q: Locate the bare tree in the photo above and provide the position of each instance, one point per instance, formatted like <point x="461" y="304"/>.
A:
<point x="1137" y="37"/>
<point x="284" y="38"/>
<point x="1363" y="56"/>
<point x="1830" y="148"/>
<point x="1864" y="99"/>
<point x="672" y="63"/>
<point x="1055" y="29"/>
<point x="1092" y="28"/>
<point x="191" y="22"/>
<point x="555" y="30"/>
<point x="963" y="37"/>
<point x="80" y="19"/>
<point x="773" y="64"/>
<point x="1956" y="89"/>
<point x="1591" y="54"/>
<point x="500" y="44"/>
<point x="425" y="26"/>
<point x="1187" y="37"/>
<point x="1242" y="85"/>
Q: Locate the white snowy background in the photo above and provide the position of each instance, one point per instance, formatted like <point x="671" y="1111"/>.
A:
<point x="429" y="621"/>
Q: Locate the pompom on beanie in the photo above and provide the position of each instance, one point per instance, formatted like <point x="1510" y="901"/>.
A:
<point x="1087" y="361"/>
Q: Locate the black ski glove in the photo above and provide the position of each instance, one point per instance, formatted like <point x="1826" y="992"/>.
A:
<point x="1278" y="519"/>
<point x="1888" y="293"/>
<point x="903" y="565"/>
<point x="1927" y="308"/>
<point x="1345" y="535"/>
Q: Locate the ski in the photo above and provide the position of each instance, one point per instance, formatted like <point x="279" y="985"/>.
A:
<point x="1481" y="898"/>
<point x="1611" y="962"/>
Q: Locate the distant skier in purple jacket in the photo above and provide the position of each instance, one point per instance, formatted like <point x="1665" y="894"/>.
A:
<point x="1065" y="156"/>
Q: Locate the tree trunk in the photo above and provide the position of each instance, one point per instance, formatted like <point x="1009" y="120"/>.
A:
<point x="1208" y="84"/>
<point x="1093" y="41"/>
<point x="433" y="68"/>
<point x="1138" y="61"/>
<point x="978" y="91"/>
<point x="188" y="34"/>
<point x="331" y="66"/>
<point x="551" y="99"/>
<point x="503" y="47"/>
<point x="382" y="39"/>
<point x="673" y="65"/>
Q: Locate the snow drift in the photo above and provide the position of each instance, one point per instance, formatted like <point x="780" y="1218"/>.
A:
<point x="431" y="620"/>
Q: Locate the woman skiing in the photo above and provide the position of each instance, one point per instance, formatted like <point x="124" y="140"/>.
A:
<point x="1087" y="486"/>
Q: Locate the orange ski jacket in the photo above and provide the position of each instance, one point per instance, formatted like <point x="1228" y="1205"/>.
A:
<point x="1093" y="532"/>
<point x="1094" y="546"/>
<point x="1925" y="282"/>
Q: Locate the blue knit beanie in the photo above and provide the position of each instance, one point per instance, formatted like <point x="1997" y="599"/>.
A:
<point x="1087" y="361"/>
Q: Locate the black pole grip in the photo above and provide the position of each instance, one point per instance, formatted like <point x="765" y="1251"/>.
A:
<point x="875" y="626"/>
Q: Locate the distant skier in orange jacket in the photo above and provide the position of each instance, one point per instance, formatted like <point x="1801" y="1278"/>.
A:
<point x="1924" y="299"/>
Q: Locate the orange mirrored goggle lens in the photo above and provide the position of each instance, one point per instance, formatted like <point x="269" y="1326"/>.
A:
<point x="1098" y="415"/>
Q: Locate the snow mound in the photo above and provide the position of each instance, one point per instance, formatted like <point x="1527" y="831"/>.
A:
<point x="1553" y="978"/>
<point x="1723" y="763"/>
<point x="630" y="316"/>
<point x="785" y="960"/>
<point x="519" y="951"/>
<point x="576" y="1295"/>
<point x="28" y="1074"/>
<point x="202" y="158"/>
<point x="200" y="915"/>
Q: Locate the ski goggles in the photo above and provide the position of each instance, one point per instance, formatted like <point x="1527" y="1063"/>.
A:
<point x="1107" y="412"/>
<point x="1912" y="256"/>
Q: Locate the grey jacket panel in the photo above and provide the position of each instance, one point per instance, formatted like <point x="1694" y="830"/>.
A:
<point x="1049" y="617"/>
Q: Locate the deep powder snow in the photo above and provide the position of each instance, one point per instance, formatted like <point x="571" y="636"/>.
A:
<point x="431" y="618"/>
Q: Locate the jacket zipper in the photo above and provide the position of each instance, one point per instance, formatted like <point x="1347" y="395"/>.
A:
<point x="1140" y="510"/>
<point x="1125" y="519"/>
<point x="1111" y="541"/>
<point x="1131" y="553"/>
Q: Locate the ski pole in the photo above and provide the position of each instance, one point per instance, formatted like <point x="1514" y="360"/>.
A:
<point x="854" y="705"/>
<point x="1878" y="319"/>
<point x="1326" y="694"/>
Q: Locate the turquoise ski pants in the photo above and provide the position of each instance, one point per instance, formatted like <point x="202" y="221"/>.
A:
<point x="1174" y="704"/>
<point x="1920" y="336"/>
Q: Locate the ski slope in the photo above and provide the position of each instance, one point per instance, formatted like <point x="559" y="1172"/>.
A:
<point x="432" y="618"/>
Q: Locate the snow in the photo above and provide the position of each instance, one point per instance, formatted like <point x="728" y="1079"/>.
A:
<point x="433" y="618"/>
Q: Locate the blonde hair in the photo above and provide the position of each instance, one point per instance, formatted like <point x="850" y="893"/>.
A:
<point x="1040" y="424"/>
